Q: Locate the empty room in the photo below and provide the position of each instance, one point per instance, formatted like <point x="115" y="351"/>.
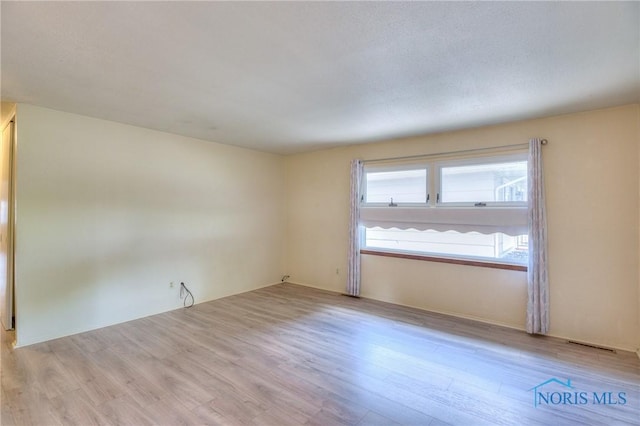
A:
<point x="320" y="213"/>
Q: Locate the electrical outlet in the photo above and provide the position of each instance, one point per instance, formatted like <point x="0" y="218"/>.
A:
<point x="172" y="284"/>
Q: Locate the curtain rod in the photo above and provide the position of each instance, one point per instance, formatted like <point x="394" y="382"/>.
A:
<point x="465" y="151"/>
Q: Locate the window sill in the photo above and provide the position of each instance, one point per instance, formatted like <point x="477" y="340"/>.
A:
<point x="482" y="264"/>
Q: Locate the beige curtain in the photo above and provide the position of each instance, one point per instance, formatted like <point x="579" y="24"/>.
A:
<point x="537" y="279"/>
<point x="353" y="266"/>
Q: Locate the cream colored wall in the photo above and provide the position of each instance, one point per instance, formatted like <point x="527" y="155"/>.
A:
<point x="591" y="170"/>
<point x="109" y="214"/>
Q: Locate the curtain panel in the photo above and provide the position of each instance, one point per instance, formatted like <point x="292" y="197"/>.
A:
<point x="537" y="279"/>
<point x="353" y="265"/>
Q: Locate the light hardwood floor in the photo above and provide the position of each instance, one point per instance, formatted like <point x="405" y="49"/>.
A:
<point x="293" y="355"/>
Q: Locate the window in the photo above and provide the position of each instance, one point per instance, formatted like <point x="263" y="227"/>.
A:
<point x="472" y="245"/>
<point x="478" y="211"/>
<point x="490" y="182"/>
<point x="384" y="186"/>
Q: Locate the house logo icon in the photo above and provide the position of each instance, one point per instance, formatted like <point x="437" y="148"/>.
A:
<point x="536" y="392"/>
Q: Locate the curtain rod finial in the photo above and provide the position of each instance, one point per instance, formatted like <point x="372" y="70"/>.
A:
<point x="544" y="141"/>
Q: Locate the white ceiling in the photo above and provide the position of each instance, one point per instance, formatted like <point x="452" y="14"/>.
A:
<point x="292" y="76"/>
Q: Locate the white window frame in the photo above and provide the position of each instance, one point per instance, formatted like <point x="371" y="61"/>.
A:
<point x="448" y="212"/>
<point x="433" y="181"/>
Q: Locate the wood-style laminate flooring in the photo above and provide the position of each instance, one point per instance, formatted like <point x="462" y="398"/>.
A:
<point x="291" y="355"/>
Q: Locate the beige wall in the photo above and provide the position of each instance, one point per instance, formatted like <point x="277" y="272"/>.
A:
<point x="109" y="214"/>
<point x="592" y="174"/>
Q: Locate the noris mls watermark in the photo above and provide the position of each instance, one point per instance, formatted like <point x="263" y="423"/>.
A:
<point x="558" y="392"/>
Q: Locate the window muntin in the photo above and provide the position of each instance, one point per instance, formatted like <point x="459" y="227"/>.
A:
<point x="485" y="182"/>
<point x="402" y="185"/>
<point x="495" y="247"/>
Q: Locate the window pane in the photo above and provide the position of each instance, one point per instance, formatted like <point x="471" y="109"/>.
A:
<point x="498" y="182"/>
<point x="496" y="246"/>
<point x="404" y="186"/>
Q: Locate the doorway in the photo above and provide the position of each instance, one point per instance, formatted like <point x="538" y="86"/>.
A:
<point x="7" y="228"/>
